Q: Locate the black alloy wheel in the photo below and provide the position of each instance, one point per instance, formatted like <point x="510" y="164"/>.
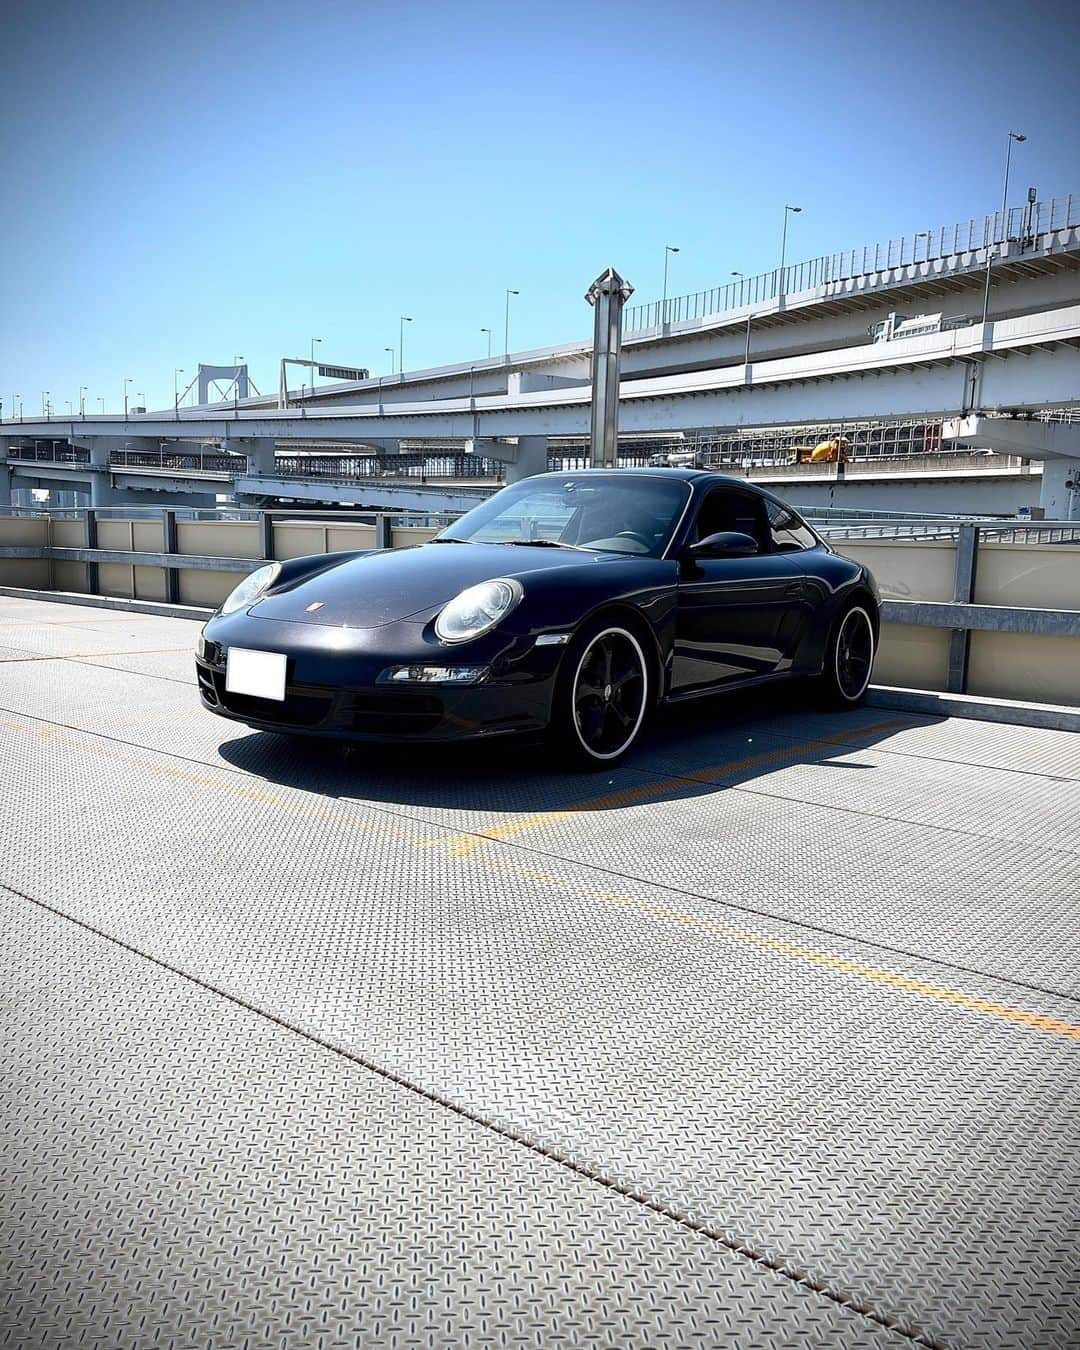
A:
<point x="853" y="655"/>
<point x="603" y="696"/>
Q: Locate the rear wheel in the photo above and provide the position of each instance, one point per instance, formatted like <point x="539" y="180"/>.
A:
<point x="601" y="697"/>
<point x="849" y="659"/>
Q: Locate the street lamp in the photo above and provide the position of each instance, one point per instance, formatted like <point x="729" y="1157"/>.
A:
<point x="178" y="370"/>
<point x="506" y="326"/>
<point x="391" y="351"/>
<point x="668" y="250"/>
<point x="44" y="402"/>
<point x="488" y="332"/>
<point x="82" y="399"/>
<point x="1017" y="136"/>
<point x="313" y="342"/>
<point x="68" y="402"/>
<point x="404" y="319"/>
<point x="102" y="402"/>
<point x="128" y="379"/>
<point x="793" y="210"/>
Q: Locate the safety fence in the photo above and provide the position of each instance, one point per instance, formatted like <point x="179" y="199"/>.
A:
<point x="984" y="607"/>
<point x="1020" y="223"/>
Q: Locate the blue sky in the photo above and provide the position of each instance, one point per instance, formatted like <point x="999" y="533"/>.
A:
<point x="191" y="182"/>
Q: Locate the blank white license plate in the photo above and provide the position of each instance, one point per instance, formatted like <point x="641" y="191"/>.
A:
<point x="260" y="674"/>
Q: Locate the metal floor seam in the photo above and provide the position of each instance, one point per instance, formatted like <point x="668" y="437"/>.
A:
<point x="594" y="1175"/>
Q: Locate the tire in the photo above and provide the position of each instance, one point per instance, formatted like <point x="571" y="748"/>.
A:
<point x="849" y="659"/>
<point x="603" y="693"/>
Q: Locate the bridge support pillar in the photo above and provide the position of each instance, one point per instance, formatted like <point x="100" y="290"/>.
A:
<point x="259" y="451"/>
<point x="522" y="455"/>
<point x="1059" y="496"/>
<point x="5" y="475"/>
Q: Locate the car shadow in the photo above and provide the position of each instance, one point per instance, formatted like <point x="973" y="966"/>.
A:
<point x="691" y="750"/>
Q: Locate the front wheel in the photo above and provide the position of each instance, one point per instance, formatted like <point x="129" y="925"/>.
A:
<point x="849" y="659"/>
<point x="601" y="696"/>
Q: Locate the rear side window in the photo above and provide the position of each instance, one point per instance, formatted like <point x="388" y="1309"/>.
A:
<point x="789" y="533"/>
<point x="727" y="509"/>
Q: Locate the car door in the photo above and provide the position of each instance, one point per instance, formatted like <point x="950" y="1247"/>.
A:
<point x="731" y="610"/>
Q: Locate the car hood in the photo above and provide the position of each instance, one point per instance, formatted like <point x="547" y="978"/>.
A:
<point x="390" y="585"/>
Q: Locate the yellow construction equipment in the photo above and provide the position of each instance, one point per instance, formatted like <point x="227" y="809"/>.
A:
<point x="825" y="452"/>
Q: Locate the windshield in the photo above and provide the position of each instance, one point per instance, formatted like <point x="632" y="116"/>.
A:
<point x="601" y="512"/>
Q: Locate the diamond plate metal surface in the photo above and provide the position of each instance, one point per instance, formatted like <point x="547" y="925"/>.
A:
<point x="181" y="1173"/>
<point x="901" y="1129"/>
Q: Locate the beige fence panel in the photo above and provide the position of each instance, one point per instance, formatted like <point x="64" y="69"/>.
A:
<point x="405" y="535"/>
<point x="341" y="538"/>
<point x="905" y="569"/>
<point x="116" y="578"/>
<point x="1044" y="576"/>
<point x="912" y="657"/>
<point x="218" y="538"/>
<point x="69" y="576"/>
<point x="25" y="532"/>
<point x="1026" y="666"/>
<point x="298" y="538"/>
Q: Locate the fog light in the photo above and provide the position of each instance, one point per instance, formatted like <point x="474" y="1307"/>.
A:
<point x="433" y="675"/>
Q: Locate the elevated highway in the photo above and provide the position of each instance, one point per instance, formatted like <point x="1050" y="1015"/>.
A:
<point x="767" y="352"/>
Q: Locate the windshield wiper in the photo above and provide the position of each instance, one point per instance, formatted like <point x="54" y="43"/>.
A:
<point x="544" y="543"/>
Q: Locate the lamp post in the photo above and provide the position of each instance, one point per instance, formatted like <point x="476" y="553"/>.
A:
<point x="793" y="210"/>
<point x="82" y="399"/>
<point x="128" y="379"/>
<point x="313" y="342"/>
<point x="44" y="402"/>
<point x="488" y="332"/>
<point x="178" y="370"/>
<point x="68" y="402"/>
<point x="746" y="350"/>
<point x="668" y="250"/>
<point x="403" y="320"/>
<point x="391" y="351"/>
<point x="102" y="402"/>
<point x="1017" y="136"/>
<point x="506" y="326"/>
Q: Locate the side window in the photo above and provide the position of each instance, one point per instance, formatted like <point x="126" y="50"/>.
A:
<point x="789" y="534"/>
<point x="728" y="509"/>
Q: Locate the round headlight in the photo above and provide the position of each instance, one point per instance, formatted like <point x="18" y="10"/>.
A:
<point x="251" y="587"/>
<point x="476" y="610"/>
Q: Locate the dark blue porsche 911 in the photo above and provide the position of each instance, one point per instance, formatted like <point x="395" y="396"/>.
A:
<point x="569" y="604"/>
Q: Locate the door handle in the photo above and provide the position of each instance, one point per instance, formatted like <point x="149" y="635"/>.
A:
<point x="794" y="590"/>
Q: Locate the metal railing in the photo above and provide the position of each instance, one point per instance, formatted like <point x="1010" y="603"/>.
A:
<point x="1022" y="223"/>
<point x="935" y="530"/>
<point x="189" y="461"/>
<point x="429" y="468"/>
<point x="56" y="452"/>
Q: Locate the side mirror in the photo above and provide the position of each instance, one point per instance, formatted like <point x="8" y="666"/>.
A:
<point x="726" y="544"/>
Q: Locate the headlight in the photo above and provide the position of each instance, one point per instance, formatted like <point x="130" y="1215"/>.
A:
<point x="478" y="609"/>
<point x="251" y="587"/>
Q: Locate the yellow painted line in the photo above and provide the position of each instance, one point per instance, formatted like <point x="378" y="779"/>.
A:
<point x="796" y="951"/>
<point x="799" y="952"/>
<point x="466" y="844"/>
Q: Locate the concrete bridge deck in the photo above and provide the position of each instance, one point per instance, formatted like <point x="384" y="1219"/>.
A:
<point x="771" y="1037"/>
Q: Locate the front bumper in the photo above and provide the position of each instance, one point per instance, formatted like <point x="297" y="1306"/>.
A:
<point x="332" y="688"/>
